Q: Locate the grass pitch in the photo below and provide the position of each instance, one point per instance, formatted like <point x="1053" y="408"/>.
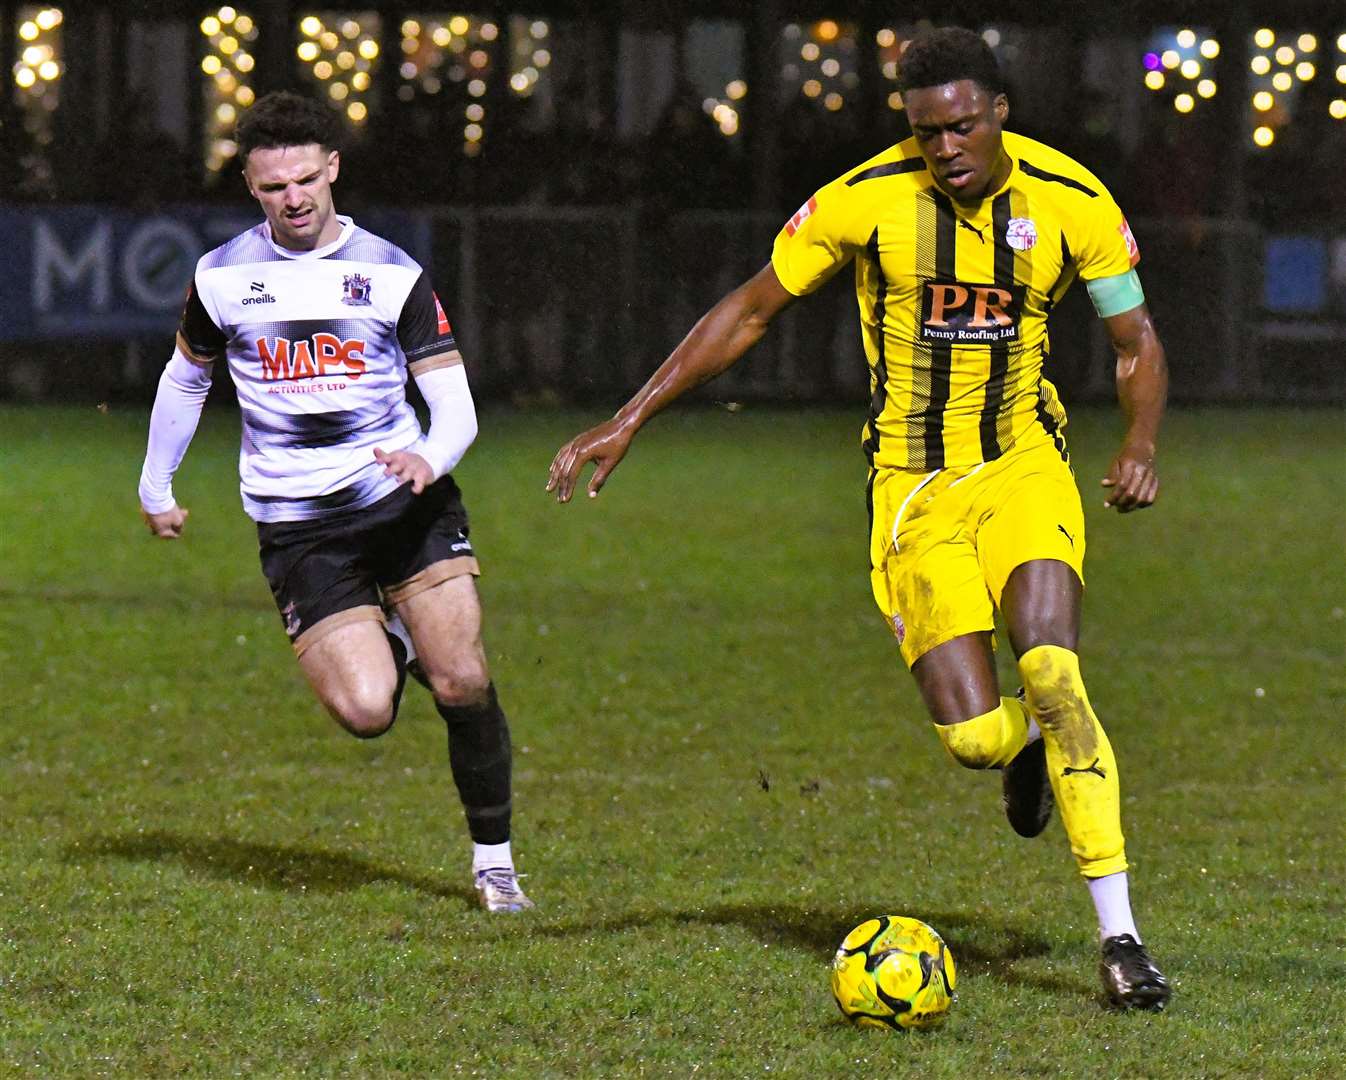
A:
<point x="721" y="767"/>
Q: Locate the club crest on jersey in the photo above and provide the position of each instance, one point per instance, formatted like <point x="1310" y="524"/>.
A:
<point x="964" y="313"/>
<point x="1021" y="234"/>
<point x="801" y="215"/>
<point x="355" y="290"/>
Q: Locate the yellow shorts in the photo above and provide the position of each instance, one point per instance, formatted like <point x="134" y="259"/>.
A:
<point x="943" y="544"/>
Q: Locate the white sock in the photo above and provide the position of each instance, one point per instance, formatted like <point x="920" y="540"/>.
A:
<point x="1112" y="901"/>
<point x="491" y="857"/>
<point x="1034" y="732"/>
<point x="399" y="630"/>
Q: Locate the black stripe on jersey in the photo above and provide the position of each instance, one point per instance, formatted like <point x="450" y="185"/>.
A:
<point x="306" y="506"/>
<point x="1050" y="426"/>
<point x="1064" y="278"/>
<point x="892" y="168"/>
<point x="308" y="431"/>
<point x="941" y="352"/>
<point x="1055" y="178"/>
<point x="995" y="381"/>
<point x="880" y="396"/>
<point x="204" y="340"/>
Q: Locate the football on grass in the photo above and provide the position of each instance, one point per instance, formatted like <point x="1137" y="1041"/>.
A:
<point x="893" y="972"/>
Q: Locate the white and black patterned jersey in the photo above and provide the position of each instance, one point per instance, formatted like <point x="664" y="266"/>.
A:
<point x="319" y="344"/>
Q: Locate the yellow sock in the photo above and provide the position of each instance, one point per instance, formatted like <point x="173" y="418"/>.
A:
<point x="1080" y="762"/>
<point x="987" y="741"/>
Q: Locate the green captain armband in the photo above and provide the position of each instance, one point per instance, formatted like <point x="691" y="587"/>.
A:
<point x="1113" y="295"/>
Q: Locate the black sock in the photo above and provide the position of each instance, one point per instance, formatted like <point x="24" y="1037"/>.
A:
<point x="400" y="662"/>
<point x="480" y="757"/>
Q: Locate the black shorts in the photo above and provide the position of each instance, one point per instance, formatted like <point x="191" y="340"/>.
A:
<point x="342" y="568"/>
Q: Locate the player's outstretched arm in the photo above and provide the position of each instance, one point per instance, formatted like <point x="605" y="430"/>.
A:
<point x="177" y="410"/>
<point x="1142" y="389"/>
<point x="728" y="330"/>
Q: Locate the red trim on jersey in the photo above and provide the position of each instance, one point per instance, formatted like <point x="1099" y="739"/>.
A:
<point x="1132" y="248"/>
<point x="792" y="226"/>
<point x="441" y="320"/>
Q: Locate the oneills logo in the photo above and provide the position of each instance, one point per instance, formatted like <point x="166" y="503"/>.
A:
<point x="801" y="215"/>
<point x="310" y="358"/>
<point x="966" y="314"/>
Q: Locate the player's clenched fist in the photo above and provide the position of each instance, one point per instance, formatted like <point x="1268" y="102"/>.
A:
<point x="168" y="525"/>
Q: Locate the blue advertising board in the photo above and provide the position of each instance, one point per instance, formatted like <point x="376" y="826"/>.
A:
<point x="98" y="272"/>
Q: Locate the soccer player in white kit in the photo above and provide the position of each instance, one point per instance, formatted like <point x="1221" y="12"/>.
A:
<point x="363" y="534"/>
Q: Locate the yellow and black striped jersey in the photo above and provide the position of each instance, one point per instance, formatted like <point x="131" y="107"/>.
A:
<point x="954" y="299"/>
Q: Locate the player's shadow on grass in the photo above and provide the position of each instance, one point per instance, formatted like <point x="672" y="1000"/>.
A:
<point x="276" y="866"/>
<point x="819" y="931"/>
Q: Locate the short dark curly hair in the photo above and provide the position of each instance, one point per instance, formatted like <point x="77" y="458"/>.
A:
<point x="285" y="119"/>
<point x="947" y="55"/>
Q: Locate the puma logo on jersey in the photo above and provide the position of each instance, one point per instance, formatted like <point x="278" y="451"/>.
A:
<point x="1067" y="535"/>
<point x="1091" y="767"/>
<point x="310" y="358"/>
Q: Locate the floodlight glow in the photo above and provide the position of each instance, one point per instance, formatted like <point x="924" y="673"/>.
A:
<point x="357" y="111"/>
<point x="1307" y="43"/>
<point x="1285" y="55"/>
<point x="1206" y="88"/>
<point x="1210" y="48"/>
<point x="1260" y="65"/>
<point x="1154" y="80"/>
<point x="1186" y="38"/>
<point x="1190" y="69"/>
<point x="1337" y="109"/>
<point x="311" y="25"/>
<point x="1170" y="58"/>
<point x="1264" y="136"/>
<point x="1282" y="81"/>
<point x="1184" y="103"/>
<point x="1305" y="71"/>
<point x="1263" y="100"/>
<point x="1264" y="38"/>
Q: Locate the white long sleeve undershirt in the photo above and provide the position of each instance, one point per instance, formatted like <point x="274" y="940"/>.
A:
<point x="177" y="410"/>
<point x="453" y="418"/>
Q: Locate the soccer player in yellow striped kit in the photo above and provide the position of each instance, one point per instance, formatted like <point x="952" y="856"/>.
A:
<point x="964" y="236"/>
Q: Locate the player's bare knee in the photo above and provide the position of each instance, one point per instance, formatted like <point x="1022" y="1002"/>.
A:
<point x="463" y="685"/>
<point x="364" y="715"/>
